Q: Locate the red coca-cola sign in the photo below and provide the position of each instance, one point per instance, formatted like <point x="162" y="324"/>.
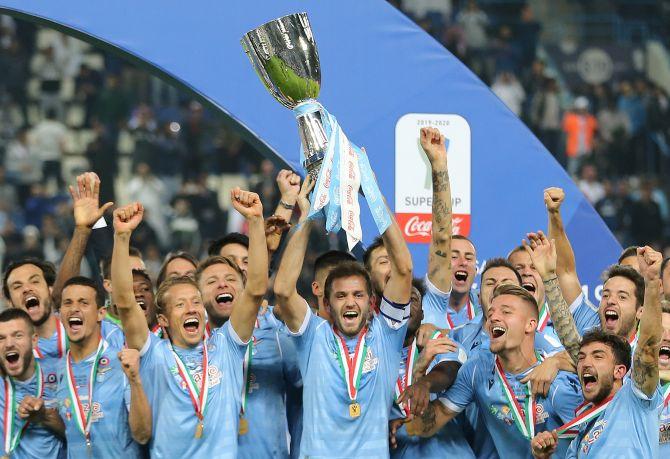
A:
<point x="417" y="228"/>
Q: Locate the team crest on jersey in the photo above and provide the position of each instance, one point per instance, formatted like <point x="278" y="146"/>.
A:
<point x="502" y="413"/>
<point x="591" y="437"/>
<point x="370" y="362"/>
<point x="664" y="432"/>
<point x="540" y="414"/>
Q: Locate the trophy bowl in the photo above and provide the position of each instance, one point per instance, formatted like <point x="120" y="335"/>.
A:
<point x="283" y="53"/>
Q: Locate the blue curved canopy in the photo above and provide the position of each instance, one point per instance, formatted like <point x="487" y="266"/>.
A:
<point x="377" y="66"/>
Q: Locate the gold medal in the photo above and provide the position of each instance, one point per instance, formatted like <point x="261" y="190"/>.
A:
<point x="354" y="409"/>
<point x="244" y="427"/>
<point x="199" y="429"/>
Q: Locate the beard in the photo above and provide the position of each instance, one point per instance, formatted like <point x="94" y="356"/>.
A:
<point x="215" y="316"/>
<point x="45" y="315"/>
<point x="26" y="356"/>
<point x="605" y="390"/>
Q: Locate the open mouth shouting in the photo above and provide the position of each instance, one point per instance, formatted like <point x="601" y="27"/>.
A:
<point x="191" y="325"/>
<point x="529" y="286"/>
<point x="461" y="276"/>
<point x="497" y="331"/>
<point x="12" y="360"/>
<point x="31" y="303"/>
<point x="142" y="303"/>
<point x="224" y="299"/>
<point x="75" y="324"/>
<point x="589" y="381"/>
<point x="664" y="354"/>
<point x="611" y="319"/>
<point x="350" y="318"/>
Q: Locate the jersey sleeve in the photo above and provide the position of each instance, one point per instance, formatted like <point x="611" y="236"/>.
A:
<point x="395" y="315"/>
<point x="290" y="365"/>
<point x="434" y="302"/>
<point x="149" y="353"/>
<point x="566" y="396"/>
<point x="304" y="337"/>
<point x="228" y="334"/>
<point x="639" y="398"/>
<point x="458" y="356"/>
<point x="547" y="343"/>
<point x="462" y="392"/>
<point x="585" y="314"/>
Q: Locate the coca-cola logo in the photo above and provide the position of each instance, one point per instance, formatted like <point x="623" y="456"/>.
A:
<point x="416" y="227"/>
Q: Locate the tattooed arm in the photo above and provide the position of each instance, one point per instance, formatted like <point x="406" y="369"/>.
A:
<point x="645" y="359"/>
<point x="433" y="418"/>
<point x="439" y="258"/>
<point x="543" y="254"/>
<point x="565" y="262"/>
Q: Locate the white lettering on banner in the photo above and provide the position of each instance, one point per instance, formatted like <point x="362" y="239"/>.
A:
<point x="413" y="178"/>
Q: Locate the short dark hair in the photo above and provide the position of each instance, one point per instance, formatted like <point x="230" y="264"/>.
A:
<point x="515" y="290"/>
<point x="630" y="251"/>
<point x="518" y="248"/>
<point x="167" y="285"/>
<point x="106" y="263"/>
<point x="619" y="346"/>
<point x="173" y="256"/>
<point x="86" y="282"/>
<point x="664" y="263"/>
<point x="230" y="238"/>
<point x="48" y="271"/>
<point x="367" y="256"/>
<point x="144" y="274"/>
<point x="10" y="314"/>
<point x="500" y="262"/>
<point x="420" y="285"/>
<point x="347" y="269"/>
<point x="331" y="259"/>
<point x="632" y="275"/>
<point x="218" y="260"/>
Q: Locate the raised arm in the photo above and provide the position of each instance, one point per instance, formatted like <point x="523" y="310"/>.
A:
<point x="434" y="417"/>
<point x="645" y="359"/>
<point x="139" y="415"/>
<point x="566" y="268"/>
<point x="542" y="252"/>
<point x="439" y="252"/>
<point x="86" y="210"/>
<point x="292" y="305"/>
<point x="246" y="306"/>
<point x="289" y="187"/>
<point x="132" y="317"/>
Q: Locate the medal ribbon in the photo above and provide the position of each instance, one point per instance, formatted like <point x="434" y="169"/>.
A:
<point x="83" y="418"/>
<point x="666" y="394"/>
<point x="158" y="331"/>
<point x="585" y="413"/>
<point x="63" y="344"/>
<point x="544" y="317"/>
<point x="246" y="367"/>
<point x="12" y="437"/>
<point x="403" y="382"/>
<point x="524" y="417"/>
<point x="352" y="367"/>
<point x="471" y="309"/>
<point x="197" y="394"/>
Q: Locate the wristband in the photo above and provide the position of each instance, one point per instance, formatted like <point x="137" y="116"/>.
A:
<point x="286" y="205"/>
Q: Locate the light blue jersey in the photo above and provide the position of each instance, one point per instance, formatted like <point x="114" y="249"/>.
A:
<point x="627" y="428"/>
<point x="174" y="418"/>
<point x="436" y="309"/>
<point x="113" y="334"/>
<point x="55" y="346"/>
<point x="448" y="442"/>
<point x="274" y="369"/>
<point x="328" y="429"/>
<point x="473" y="337"/>
<point x="664" y="423"/>
<point x="37" y="441"/>
<point x="476" y="382"/>
<point x="110" y="432"/>
<point x="585" y="314"/>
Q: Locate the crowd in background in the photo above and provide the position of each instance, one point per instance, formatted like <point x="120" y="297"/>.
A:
<point x="66" y="107"/>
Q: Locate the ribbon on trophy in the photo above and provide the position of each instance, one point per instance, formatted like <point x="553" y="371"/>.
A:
<point x="345" y="169"/>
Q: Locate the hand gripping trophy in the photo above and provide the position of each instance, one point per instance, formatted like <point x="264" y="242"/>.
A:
<point x="283" y="53"/>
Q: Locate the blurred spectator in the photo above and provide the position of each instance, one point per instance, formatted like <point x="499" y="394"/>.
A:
<point x="88" y="83"/>
<point x="267" y="187"/>
<point x="506" y="55"/>
<point x="646" y="225"/>
<point x="589" y="184"/>
<point x="48" y="138"/>
<point x="204" y="205"/>
<point x="103" y="159"/>
<point x="14" y="69"/>
<point x="148" y="189"/>
<point x="8" y="194"/>
<point x="609" y="208"/>
<point x="23" y="167"/>
<point x="143" y="127"/>
<point x="50" y="69"/>
<point x="546" y="118"/>
<point x="579" y="127"/>
<point x="184" y="227"/>
<point x="526" y="35"/>
<point x="195" y="129"/>
<point x="38" y="205"/>
<point x="113" y="106"/>
<point x="474" y="22"/>
<point x="31" y="245"/>
<point x="614" y="129"/>
<point x="510" y="91"/>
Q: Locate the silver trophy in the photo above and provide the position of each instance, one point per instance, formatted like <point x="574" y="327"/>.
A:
<point x="283" y="53"/>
